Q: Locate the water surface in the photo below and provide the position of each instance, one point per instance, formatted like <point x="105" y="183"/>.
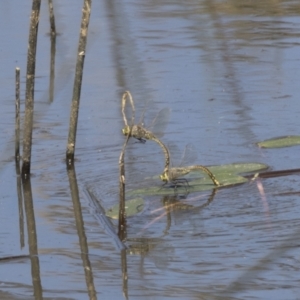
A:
<point x="228" y="70"/>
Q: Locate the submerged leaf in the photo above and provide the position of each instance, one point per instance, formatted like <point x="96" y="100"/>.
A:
<point x="287" y="141"/>
<point x="132" y="207"/>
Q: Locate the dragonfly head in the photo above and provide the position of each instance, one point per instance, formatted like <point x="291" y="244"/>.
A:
<point x="164" y="177"/>
<point x="126" y="130"/>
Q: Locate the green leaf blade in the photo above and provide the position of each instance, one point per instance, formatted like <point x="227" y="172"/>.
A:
<point x="280" y="142"/>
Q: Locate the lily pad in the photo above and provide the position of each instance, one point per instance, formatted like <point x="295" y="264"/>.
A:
<point x="280" y="142"/>
<point x="132" y="207"/>
<point x="227" y="175"/>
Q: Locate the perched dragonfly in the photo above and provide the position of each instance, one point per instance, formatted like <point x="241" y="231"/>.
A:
<point x="152" y="132"/>
<point x="174" y="175"/>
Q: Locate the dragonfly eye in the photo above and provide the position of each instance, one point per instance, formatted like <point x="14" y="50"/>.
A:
<point x="126" y="130"/>
<point x="163" y="177"/>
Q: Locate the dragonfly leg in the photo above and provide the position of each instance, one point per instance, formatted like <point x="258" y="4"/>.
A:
<point x="143" y="141"/>
<point x="163" y="185"/>
<point x="181" y="181"/>
<point x="176" y="183"/>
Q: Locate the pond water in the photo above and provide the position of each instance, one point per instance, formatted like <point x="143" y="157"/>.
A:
<point x="228" y="70"/>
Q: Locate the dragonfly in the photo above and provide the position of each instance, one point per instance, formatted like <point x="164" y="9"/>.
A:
<point x="173" y="175"/>
<point x="154" y="130"/>
<point x="141" y="133"/>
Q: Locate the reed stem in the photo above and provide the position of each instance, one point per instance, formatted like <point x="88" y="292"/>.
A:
<point x="52" y="18"/>
<point x="30" y="76"/>
<point x="77" y="81"/>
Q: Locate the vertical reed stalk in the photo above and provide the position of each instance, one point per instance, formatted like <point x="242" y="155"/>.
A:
<point x="52" y="19"/>
<point x="52" y="51"/>
<point x="77" y="81"/>
<point x="122" y="213"/>
<point x="30" y="75"/>
<point x="52" y="67"/>
<point x="17" y="125"/>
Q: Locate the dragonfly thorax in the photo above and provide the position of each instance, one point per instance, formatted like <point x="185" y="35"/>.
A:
<point x="139" y="132"/>
<point x="173" y="174"/>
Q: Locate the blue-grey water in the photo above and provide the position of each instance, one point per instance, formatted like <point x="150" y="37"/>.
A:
<point x="229" y="72"/>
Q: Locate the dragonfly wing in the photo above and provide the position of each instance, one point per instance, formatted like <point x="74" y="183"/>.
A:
<point x="189" y="155"/>
<point x="160" y="122"/>
<point x="148" y="104"/>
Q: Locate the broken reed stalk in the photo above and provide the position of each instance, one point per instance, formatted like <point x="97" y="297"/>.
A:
<point x="30" y="76"/>
<point x="77" y="81"/>
<point x="122" y="212"/>
<point x="52" y="19"/>
<point x="17" y="125"/>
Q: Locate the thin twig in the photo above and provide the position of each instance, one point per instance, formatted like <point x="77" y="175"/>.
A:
<point x="17" y="126"/>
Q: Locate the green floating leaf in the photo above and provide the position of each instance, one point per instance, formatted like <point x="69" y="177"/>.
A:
<point x="287" y="141"/>
<point x="227" y="175"/>
<point x="237" y="168"/>
<point x="132" y="207"/>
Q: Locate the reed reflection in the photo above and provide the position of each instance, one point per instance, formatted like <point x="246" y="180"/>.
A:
<point x="81" y="232"/>
<point x="32" y="238"/>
